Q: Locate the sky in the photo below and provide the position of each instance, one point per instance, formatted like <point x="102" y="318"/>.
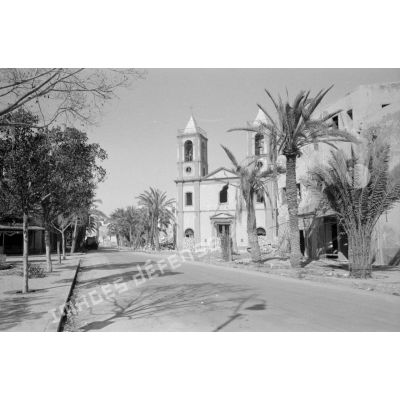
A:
<point x="138" y="130"/>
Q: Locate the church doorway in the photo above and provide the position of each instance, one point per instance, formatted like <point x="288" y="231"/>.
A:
<point x="223" y="229"/>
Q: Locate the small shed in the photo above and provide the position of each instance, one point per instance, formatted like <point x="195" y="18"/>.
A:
<point x="11" y="239"/>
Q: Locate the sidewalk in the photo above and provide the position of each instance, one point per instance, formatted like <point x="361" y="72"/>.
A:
<point x="32" y="312"/>
<point x="384" y="279"/>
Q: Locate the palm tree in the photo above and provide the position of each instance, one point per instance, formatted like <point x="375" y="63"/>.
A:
<point x="359" y="191"/>
<point x="127" y="222"/>
<point x="251" y="183"/>
<point x="95" y="217"/>
<point x="293" y="129"/>
<point x="132" y="220"/>
<point x="159" y="208"/>
<point x="120" y="225"/>
<point x="88" y="219"/>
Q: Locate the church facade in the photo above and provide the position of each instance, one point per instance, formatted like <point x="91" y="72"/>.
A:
<point x="206" y="201"/>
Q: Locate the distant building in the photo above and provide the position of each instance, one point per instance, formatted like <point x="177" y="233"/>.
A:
<point x="11" y="239"/>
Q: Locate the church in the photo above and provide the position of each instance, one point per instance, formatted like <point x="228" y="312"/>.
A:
<point x="206" y="201"/>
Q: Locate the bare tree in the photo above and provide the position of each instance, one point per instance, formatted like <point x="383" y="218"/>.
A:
<point x="68" y="95"/>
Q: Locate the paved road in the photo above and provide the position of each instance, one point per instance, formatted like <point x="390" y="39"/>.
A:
<point x="112" y="295"/>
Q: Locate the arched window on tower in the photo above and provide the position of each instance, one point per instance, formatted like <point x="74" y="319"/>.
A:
<point x="188" y="150"/>
<point x="223" y="195"/>
<point x="189" y="233"/>
<point x="259" y="144"/>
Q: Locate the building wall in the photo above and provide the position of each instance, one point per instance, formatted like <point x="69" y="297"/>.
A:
<point x="373" y="107"/>
<point x="365" y="102"/>
<point x="387" y="234"/>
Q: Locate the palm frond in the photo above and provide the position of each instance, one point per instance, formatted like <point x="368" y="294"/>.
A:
<point x="273" y="123"/>
<point x="231" y="157"/>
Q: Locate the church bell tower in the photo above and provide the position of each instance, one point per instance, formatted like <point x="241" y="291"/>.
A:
<point x="192" y="163"/>
<point x="192" y="152"/>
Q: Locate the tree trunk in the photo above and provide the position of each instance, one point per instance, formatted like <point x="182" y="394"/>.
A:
<point x="59" y="249"/>
<point x="25" y="264"/>
<point x="252" y="233"/>
<point x="291" y="196"/>
<point x="130" y="236"/>
<point x="276" y="211"/>
<point x="359" y="255"/>
<point x="63" y="245"/>
<point x="149" y="238"/>
<point x="274" y="160"/>
<point x="47" y="243"/>
<point x="234" y="241"/>
<point x="74" y="236"/>
<point x="226" y="246"/>
<point x="156" y="238"/>
<point x="174" y="237"/>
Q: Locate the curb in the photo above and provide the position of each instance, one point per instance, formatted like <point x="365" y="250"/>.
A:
<point x="63" y="317"/>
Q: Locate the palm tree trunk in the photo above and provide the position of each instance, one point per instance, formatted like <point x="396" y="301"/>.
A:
<point x="47" y="243"/>
<point x="74" y="236"/>
<point x="252" y="232"/>
<point x="359" y="254"/>
<point x="156" y="237"/>
<point x="153" y="234"/>
<point x="63" y="245"/>
<point x="149" y="241"/>
<point x="25" y="271"/>
<point x="174" y="233"/>
<point x="234" y="241"/>
<point x="274" y="160"/>
<point x="275" y="206"/>
<point x="291" y="196"/>
<point x="150" y="236"/>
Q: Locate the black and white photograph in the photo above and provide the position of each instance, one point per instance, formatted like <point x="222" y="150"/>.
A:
<point x="237" y="221"/>
<point x="155" y="202"/>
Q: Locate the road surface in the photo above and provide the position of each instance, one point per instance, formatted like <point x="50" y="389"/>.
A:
<point x="114" y="293"/>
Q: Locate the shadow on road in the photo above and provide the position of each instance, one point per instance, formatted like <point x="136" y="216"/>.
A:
<point x="153" y="302"/>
